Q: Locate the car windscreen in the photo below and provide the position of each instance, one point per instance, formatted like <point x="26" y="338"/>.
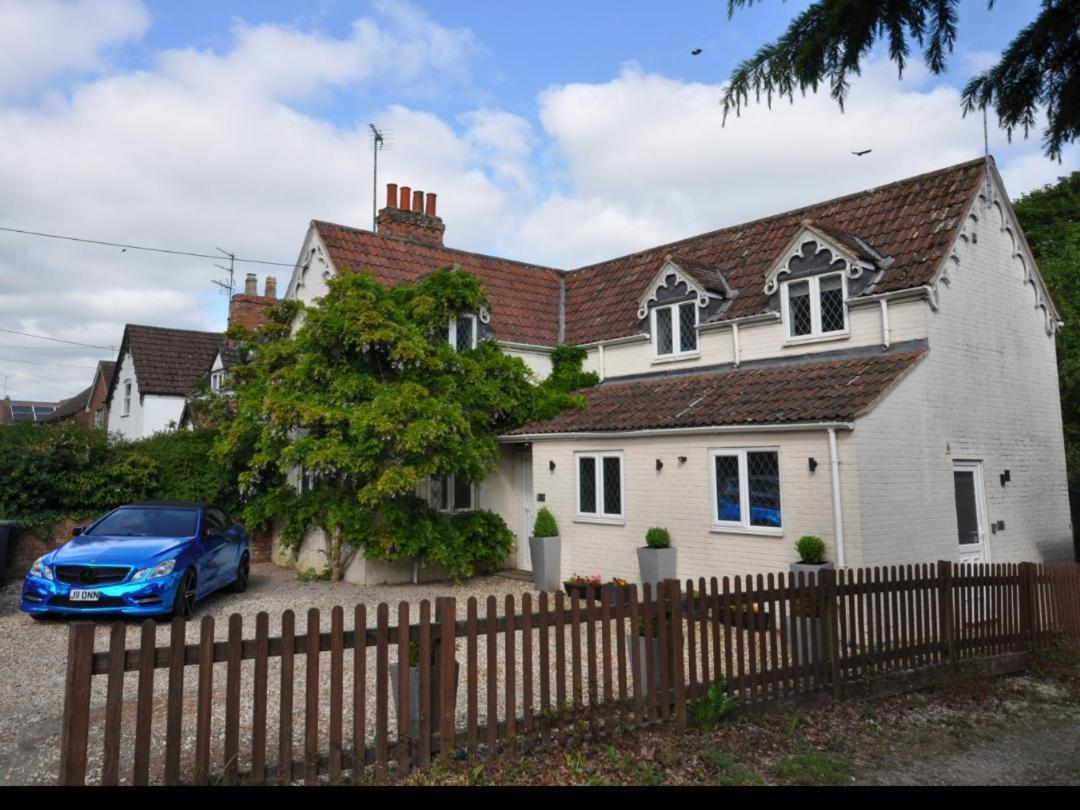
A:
<point x="148" y="522"/>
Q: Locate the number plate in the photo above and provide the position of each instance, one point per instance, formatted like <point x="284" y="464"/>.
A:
<point x="84" y="596"/>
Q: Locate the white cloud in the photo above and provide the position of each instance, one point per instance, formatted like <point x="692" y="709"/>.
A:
<point x="42" y="38"/>
<point x="650" y="160"/>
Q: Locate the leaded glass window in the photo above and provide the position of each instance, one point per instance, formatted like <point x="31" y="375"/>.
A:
<point x="600" y="486"/>
<point x="675" y="329"/>
<point x="746" y="484"/>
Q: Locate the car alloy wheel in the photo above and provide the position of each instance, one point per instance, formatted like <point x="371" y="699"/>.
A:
<point x="184" y="605"/>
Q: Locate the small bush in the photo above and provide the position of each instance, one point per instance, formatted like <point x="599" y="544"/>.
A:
<point x="707" y="712"/>
<point x="657" y="537"/>
<point x="545" y="524"/>
<point x="811" y="549"/>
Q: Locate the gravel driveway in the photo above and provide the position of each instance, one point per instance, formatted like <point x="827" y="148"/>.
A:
<point x="32" y="660"/>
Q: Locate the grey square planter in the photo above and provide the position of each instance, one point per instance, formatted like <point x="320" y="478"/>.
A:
<point x="546" y="561"/>
<point x="810" y="627"/>
<point x="648" y="684"/>
<point x="656" y="565"/>
<point x="435" y="701"/>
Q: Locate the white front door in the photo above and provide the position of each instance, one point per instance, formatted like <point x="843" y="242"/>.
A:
<point x="970" y="511"/>
<point x="528" y="512"/>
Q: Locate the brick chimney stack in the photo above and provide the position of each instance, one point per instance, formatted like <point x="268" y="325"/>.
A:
<point x="410" y="215"/>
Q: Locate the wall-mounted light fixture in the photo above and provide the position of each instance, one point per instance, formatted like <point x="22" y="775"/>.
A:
<point x="659" y="465"/>
<point x="1005" y="478"/>
<point x="682" y="459"/>
<point x="813" y="464"/>
<point x="551" y="466"/>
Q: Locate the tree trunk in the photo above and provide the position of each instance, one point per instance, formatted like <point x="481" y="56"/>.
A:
<point x="337" y="557"/>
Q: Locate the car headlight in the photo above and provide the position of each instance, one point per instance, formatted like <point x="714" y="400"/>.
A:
<point x="160" y="570"/>
<point x="40" y="569"/>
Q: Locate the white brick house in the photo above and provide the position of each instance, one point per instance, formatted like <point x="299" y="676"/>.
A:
<point x="878" y="370"/>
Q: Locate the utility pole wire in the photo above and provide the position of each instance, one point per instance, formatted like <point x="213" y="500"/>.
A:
<point x="140" y="247"/>
<point x="57" y="340"/>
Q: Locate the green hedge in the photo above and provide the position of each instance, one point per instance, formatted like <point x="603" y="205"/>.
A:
<point x="55" y="471"/>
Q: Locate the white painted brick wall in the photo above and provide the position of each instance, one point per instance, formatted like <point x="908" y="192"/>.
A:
<point x="986" y="391"/>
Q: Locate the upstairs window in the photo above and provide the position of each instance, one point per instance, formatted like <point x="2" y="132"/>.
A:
<point x="217" y="381"/>
<point x="127" y="399"/>
<point x="450" y="493"/>
<point x="815" y="307"/>
<point x="674" y="329"/>
<point x="460" y="332"/>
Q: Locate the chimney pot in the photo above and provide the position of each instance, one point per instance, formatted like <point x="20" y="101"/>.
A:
<point x="271" y="287"/>
<point x="406" y="198"/>
<point x="391" y="195"/>
<point x="418" y="202"/>
<point x="251" y="284"/>
<point x="430" y="205"/>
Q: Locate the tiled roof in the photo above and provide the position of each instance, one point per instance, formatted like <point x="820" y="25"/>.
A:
<point x="808" y="389"/>
<point x="170" y="361"/>
<point x="708" y="277"/>
<point x="23" y="410"/>
<point x="913" y="221"/>
<point x="524" y="298"/>
<point x="106" y="368"/>
<point x="72" y="405"/>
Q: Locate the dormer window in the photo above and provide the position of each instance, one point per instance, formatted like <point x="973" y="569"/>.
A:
<point x="815" y="307"/>
<point x="674" y="329"/>
<point x="217" y="381"/>
<point x="460" y="332"/>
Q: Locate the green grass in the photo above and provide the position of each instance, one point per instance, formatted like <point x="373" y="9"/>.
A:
<point x="729" y="772"/>
<point x="650" y="774"/>
<point x="810" y="767"/>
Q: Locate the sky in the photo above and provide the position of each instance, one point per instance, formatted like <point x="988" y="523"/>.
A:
<point x="560" y="133"/>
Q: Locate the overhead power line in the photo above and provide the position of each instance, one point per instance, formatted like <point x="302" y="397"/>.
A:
<point x="58" y="340"/>
<point x="125" y="246"/>
<point x="38" y="380"/>
<point x="51" y="365"/>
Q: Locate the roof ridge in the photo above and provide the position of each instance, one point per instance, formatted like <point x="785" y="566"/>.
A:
<point x="172" y="329"/>
<point x="420" y="243"/>
<point x="668" y="246"/>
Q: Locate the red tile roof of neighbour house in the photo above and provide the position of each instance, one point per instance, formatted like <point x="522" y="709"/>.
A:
<point x="914" y="222"/>
<point x="169" y="362"/>
<point x="819" y="388"/>
<point x="72" y="406"/>
<point x="524" y="297"/>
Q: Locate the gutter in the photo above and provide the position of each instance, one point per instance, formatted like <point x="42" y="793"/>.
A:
<point x="524" y="347"/>
<point x="838" y="512"/>
<point x="791" y="427"/>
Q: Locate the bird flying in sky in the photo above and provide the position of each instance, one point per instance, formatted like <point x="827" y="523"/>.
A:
<point x="695" y="52"/>
<point x="863" y="152"/>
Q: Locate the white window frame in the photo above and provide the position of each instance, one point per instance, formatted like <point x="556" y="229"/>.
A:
<point x="126" y="411"/>
<point x="742" y="526"/>
<point x="99" y="418"/>
<point x="452" y="330"/>
<point x="815" y="309"/>
<point x="450" y="487"/>
<point x="599" y="516"/>
<point x="217" y="380"/>
<point x="676" y="332"/>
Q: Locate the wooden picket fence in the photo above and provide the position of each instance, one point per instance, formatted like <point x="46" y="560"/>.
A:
<point x="561" y="670"/>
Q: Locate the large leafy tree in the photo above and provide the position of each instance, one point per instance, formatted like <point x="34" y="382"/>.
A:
<point x="367" y="400"/>
<point x="1050" y="218"/>
<point x="828" y="41"/>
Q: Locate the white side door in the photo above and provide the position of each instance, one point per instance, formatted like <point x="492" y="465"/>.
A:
<point x="970" y="512"/>
<point x="528" y="516"/>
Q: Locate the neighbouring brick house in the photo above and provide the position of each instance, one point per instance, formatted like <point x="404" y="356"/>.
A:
<point x="878" y="370"/>
<point x="24" y="410"/>
<point x="89" y="407"/>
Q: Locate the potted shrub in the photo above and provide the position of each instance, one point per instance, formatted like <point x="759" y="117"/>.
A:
<point x="656" y="559"/>
<point x="434" y="680"/>
<point x="584" y="586"/>
<point x="811" y="550"/>
<point x="545" y="551"/>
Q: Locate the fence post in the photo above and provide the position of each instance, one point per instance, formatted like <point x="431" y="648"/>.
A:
<point x="826" y="585"/>
<point x="76" y="722"/>
<point x="947" y="628"/>
<point x="1028" y="612"/>
<point x="447" y="610"/>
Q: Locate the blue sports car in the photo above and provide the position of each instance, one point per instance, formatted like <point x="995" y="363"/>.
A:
<point x="143" y="559"/>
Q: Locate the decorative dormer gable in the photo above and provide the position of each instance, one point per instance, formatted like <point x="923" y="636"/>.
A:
<point x="684" y="294"/>
<point x="682" y="279"/>
<point x="817" y="249"/>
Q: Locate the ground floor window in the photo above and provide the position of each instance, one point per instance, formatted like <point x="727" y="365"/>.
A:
<point x="746" y="489"/>
<point x="449" y="493"/>
<point x="599" y="486"/>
